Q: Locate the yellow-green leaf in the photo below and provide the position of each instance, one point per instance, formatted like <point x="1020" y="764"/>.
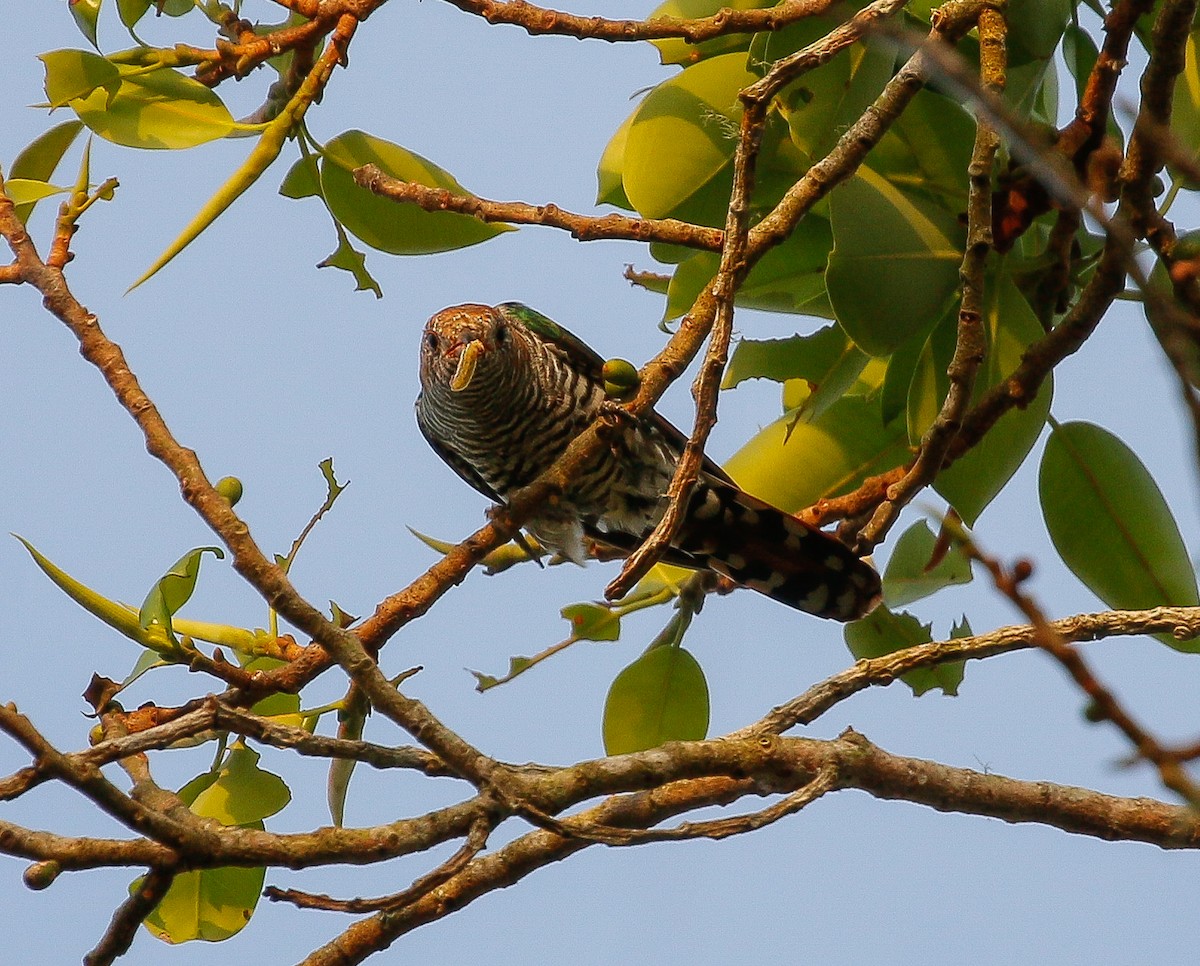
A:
<point x="160" y="109"/>
<point x="662" y="696"/>
<point x="793" y="464"/>
<point x="207" y="904"/>
<point x="77" y="73"/>
<point x="24" y="191"/>
<point x="683" y="135"/>
<point x="39" y="159"/>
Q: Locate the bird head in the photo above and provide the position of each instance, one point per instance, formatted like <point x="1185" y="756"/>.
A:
<point x="459" y="340"/>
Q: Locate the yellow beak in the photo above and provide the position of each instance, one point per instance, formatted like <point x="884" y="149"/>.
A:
<point x="467" y="360"/>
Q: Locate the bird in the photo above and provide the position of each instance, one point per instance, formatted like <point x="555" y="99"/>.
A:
<point x="504" y="391"/>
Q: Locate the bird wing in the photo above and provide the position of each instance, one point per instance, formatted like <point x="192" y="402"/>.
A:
<point x="588" y="361"/>
<point x="457" y="463"/>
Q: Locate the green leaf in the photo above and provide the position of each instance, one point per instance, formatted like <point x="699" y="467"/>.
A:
<point x="662" y="696"/>
<point x="303" y="179"/>
<point x="683" y="136"/>
<point x="208" y="904"/>
<point x="1010" y="325"/>
<point x="826" y="360"/>
<point x="822" y="103"/>
<point x="593" y="622"/>
<point x="790" y="277"/>
<point x="1111" y="524"/>
<point x="39" y="159"/>
<point x="265" y="151"/>
<point x="161" y="109"/>
<point x="72" y="74"/>
<point x="884" y="632"/>
<point x="928" y="149"/>
<point x="1034" y="29"/>
<point x="86" y="14"/>
<point x="793" y="464"/>
<point x="214" y="904"/>
<point x="173" y="590"/>
<point x="1080" y="54"/>
<point x="383" y="224"/>
<point x="350" y="259"/>
<point x="894" y="264"/>
<point x="909" y="577"/>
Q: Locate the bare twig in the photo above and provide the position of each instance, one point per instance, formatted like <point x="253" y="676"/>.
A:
<point x="1105" y="705"/>
<point x="583" y="227"/>
<point x="123" y="927"/>
<point x="970" y="346"/>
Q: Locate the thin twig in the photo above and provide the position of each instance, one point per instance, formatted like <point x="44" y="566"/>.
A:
<point x="970" y="345"/>
<point x="123" y="927"/>
<point x="1105" y="705"/>
<point x="582" y="227"/>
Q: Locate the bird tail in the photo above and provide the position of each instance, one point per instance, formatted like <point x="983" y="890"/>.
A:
<point x="759" y="546"/>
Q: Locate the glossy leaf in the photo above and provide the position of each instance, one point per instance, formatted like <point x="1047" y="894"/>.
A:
<point x="39" y="159"/>
<point x="676" y="50"/>
<point x="161" y="109"/>
<point x="971" y="483"/>
<point x="71" y="74"/>
<point x="383" y="224"/>
<point x="817" y="358"/>
<point x="927" y="150"/>
<point x="894" y="264"/>
<point x="822" y="103"/>
<point x="214" y="904"/>
<point x="683" y="135"/>
<point x="1111" y="525"/>
<point x="303" y="179"/>
<point x="790" y="277"/>
<point x="909" y="575"/>
<point x="792" y="465"/>
<point x="662" y="696"/>
<point x="243" y="793"/>
<point x="884" y="632"/>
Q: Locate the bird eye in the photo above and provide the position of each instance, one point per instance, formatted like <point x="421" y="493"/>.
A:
<point x="431" y="340"/>
<point x="501" y="333"/>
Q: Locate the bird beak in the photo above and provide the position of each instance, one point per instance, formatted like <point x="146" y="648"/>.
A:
<point x="468" y="358"/>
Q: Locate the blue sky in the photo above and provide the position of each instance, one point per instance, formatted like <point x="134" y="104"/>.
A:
<point x="266" y="365"/>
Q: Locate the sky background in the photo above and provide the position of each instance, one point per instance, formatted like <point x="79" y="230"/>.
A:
<point x="266" y="365"/>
